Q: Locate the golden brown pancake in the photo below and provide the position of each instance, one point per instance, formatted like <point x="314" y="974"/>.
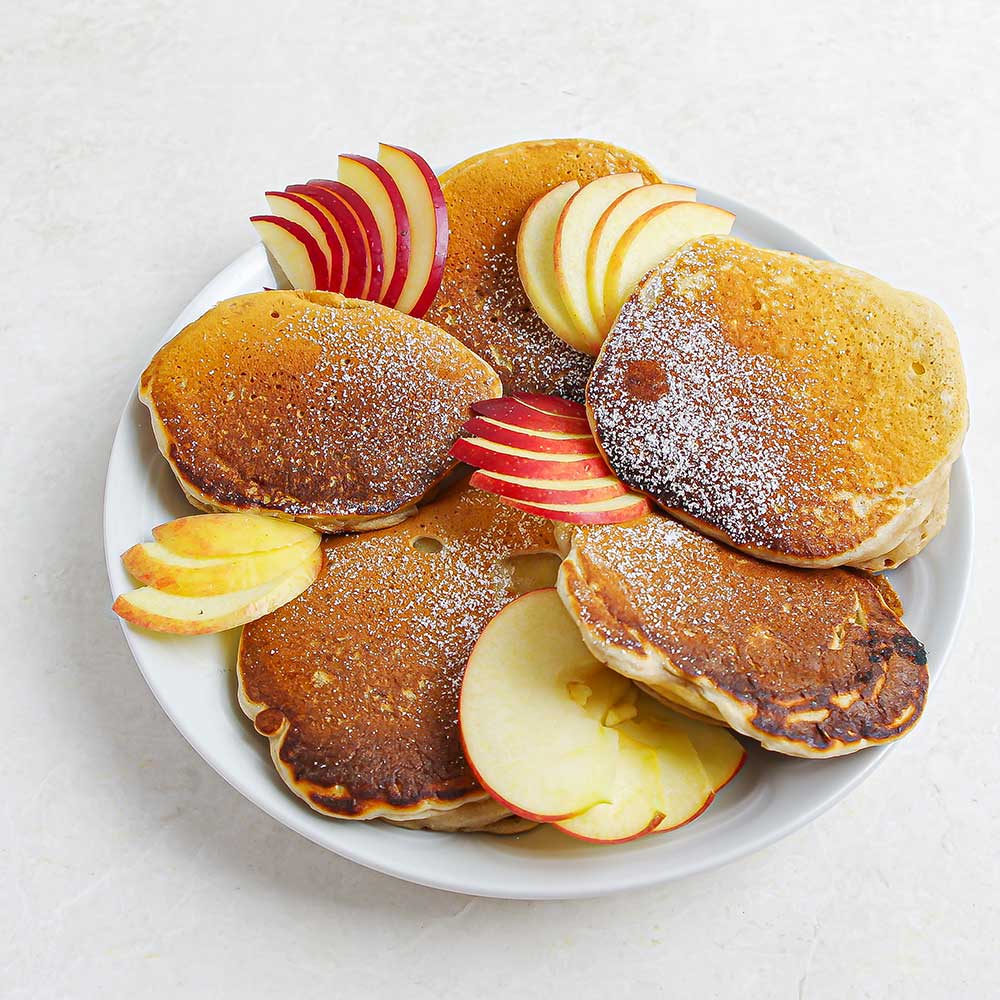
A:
<point x="812" y="663"/>
<point x="481" y="300"/>
<point x="332" y="411"/>
<point x="800" y="410"/>
<point x="356" y="682"/>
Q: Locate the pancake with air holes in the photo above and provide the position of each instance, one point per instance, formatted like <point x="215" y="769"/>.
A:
<point x="481" y="300"/>
<point x="799" y="410"/>
<point x="307" y="405"/>
<point x="812" y="663"/>
<point x="355" y="683"/>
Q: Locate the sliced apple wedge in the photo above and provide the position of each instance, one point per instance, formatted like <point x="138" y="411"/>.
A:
<point x="512" y="411"/>
<point x="687" y="790"/>
<point x="152" y="609"/>
<point x="154" y="565"/>
<point x="536" y="262"/>
<point x="637" y="805"/>
<point x="571" y="242"/>
<point x="375" y="185"/>
<point x="493" y="457"/>
<point x="721" y="754"/>
<point x="294" y="251"/>
<point x="312" y="218"/>
<point x="428" y="217"/>
<point x="617" y="510"/>
<point x="552" y="404"/>
<point x="556" y="442"/>
<point x="529" y="743"/>
<point x="610" y="228"/>
<point x="548" y="490"/>
<point x="651" y="239"/>
<point x="206" y="536"/>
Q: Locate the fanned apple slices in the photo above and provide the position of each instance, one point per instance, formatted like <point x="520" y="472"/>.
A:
<point x="211" y="572"/>
<point x="379" y="232"/>
<point x="558" y="737"/>
<point x="581" y="251"/>
<point x="537" y="453"/>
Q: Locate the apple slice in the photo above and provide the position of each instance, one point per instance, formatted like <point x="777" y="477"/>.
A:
<point x="555" y="442"/>
<point x="428" y="215"/>
<point x="512" y="411"/>
<point x="355" y="214"/>
<point x="372" y="181"/>
<point x="493" y="457"/>
<point x="156" y="566"/>
<point x="294" y="251"/>
<point x="206" y="536"/>
<point x="617" y="510"/>
<point x="638" y="802"/>
<point x="571" y="242"/>
<point x="314" y="219"/>
<point x="552" y="404"/>
<point x="356" y="276"/>
<point x="536" y="262"/>
<point x="651" y="239"/>
<point x="553" y="491"/>
<point x="529" y="743"/>
<point x="152" y="609"/>
<point x="721" y="754"/>
<point x="610" y="228"/>
<point x="688" y="792"/>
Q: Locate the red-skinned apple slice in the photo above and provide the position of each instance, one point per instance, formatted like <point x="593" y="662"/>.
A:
<point x="651" y="239"/>
<point x="611" y="227"/>
<point x="294" y="250"/>
<point x="492" y="457"/>
<point x="428" y="218"/>
<point x="530" y="744"/>
<point x="371" y="238"/>
<point x="554" y="491"/>
<point x="350" y="234"/>
<point x="511" y="411"/>
<point x="617" y="510"/>
<point x="373" y="182"/>
<point x="313" y="218"/>
<point x="552" y="442"/>
<point x="551" y="404"/>
<point x="638" y="803"/>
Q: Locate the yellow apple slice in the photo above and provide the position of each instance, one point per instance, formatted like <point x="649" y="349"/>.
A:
<point x="651" y="239"/>
<point x="637" y="801"/>
<point x="610" y="228"/>
<point x="721" y="754"/>
<point x="571" y="242"/>
<point x="152" y="609"/>
<point x="536" y="262"/>
<point x="687" y="790"/>
<point x="529" y="742"/>
<point x="206" y="536"/>
<point x="154" y="565"/>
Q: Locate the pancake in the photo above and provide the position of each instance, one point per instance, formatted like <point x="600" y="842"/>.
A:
<point x="812" y="663"/>
<point x="356" y="682"/>
<point x="481" y="300"/>
<point x="331" y="411"/>
<point x="800" y="410"/>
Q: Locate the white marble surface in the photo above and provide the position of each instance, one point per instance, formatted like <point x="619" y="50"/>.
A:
<point x="134" y="140"/>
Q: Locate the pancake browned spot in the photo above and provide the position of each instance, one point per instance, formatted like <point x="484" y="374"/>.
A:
<point x="332" y="411"/>
<point x="363" y="670"/>
<point x="481" y="300"/>
<point x="798" y="409"/>
<point x="812" y="663"/>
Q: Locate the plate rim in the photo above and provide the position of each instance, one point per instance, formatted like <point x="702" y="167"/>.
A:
<point x="638" y="876"/>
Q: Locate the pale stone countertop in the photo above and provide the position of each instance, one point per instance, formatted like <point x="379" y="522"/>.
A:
<point x="135" y="138"/>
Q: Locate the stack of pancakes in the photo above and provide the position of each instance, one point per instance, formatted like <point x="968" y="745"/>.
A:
<point x="780" y="411"/>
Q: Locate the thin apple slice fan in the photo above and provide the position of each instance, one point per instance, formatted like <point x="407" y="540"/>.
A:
<point x="538" y="454"/>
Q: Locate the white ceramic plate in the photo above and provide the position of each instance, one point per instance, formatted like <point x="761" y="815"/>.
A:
<point x="192" y="679"/>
